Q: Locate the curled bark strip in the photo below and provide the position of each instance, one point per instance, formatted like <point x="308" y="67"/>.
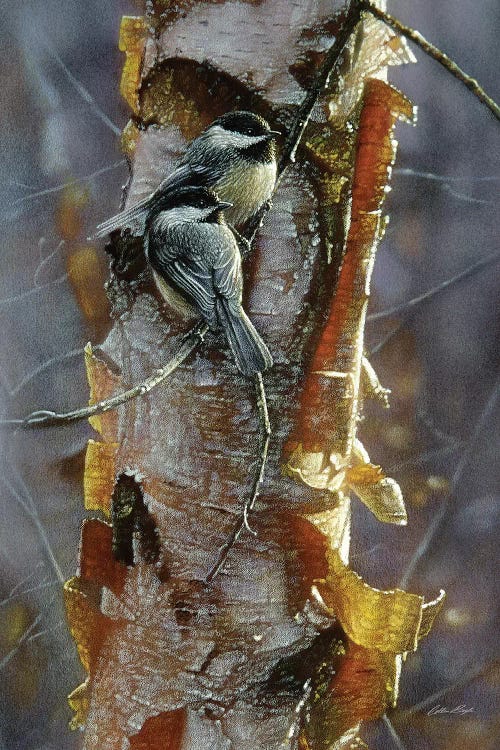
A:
<point x="322" y="446"/>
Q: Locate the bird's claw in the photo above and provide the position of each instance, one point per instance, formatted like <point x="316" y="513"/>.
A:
<point x="199" y="334"/>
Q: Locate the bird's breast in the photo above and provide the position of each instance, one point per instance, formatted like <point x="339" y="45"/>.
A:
<point x="174" y="299"/>
<point x="247" y="186"/>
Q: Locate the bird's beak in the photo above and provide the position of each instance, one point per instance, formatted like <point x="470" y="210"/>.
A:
<point x="223" y="205"/>
<point x="268" y="136"/>
<point x="271" y="133"/>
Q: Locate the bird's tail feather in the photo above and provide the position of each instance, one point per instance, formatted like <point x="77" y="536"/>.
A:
<point x="133" y="217"/>
<point x="250" y="352"/>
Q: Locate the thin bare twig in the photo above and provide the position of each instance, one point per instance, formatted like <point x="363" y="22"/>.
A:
<point x="15" y="589"/>
<point x="243" y="521"/>
<point x="49" y="418"/>
<point x="7" y="658"/>
<point x="388" y="337"/>
<point x="303" y="114"/>
<point x="321" y="80"/>
<point x="26" y="503"/>
<point x="47" y="365"/>
<point x="33" y="291"/>
<point x="394" y="735"/>
<point x="42" y="633"/>
<point x="442" y="178"/>
<point x="470" y="675"/>
<point x="57" y="188"/>
<point x="435" y="53"/>
<point x="45" y="259"/>
<point x="18" y="595"/>
<point x="440" y="515"/>
<point x="445" y="183"/>
<point x="84" y="93"/>
<point x="408" y="307"/>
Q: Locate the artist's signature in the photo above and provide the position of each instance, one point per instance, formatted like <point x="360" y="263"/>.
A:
<point x="457" y="710"/>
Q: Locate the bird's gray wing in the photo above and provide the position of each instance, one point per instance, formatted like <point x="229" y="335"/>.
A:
<point x="185" y="174"/>
<point x="197" y="283"/>
<point x="135" y="216"/>
<point x="186" y="268"/>
<point x="228" y="280"/>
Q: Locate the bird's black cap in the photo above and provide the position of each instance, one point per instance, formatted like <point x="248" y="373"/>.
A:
<point x="246" y="123"/>
<point x="191" y="195"/>
<point x="197" y="197"/>
<point x="250" y="124"/>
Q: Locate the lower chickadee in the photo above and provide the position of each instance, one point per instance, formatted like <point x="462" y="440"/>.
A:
<point x="196" y="262"/>
<point x="235" y="155"/>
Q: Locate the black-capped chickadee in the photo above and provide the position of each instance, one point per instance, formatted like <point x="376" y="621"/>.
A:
<point x="197" y="267"/>
<point x="235" y="156"/>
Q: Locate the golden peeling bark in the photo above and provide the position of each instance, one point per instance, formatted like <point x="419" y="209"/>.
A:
<point x="99" y="476"/>
<point x="133" y="34"/>
<point x="383" y="620"/>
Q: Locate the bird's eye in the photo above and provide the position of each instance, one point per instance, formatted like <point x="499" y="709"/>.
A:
<point x="249" y="131"/>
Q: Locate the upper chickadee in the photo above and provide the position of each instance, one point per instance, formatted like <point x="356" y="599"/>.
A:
<point x="235" y="155"/>
<point x="194" y="254"/>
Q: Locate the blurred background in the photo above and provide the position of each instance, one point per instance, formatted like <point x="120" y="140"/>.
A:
<point x="61" y="172"/>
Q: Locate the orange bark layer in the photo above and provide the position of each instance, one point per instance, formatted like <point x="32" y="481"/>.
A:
<point x="357" y="692"/>
<point x="97" y="563"/>
<point x="82" y="593"/>
<point x="160" y="732"/>
<point x="340" y="346"/>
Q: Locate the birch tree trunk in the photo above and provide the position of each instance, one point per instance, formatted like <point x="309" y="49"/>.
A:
<point x="257" y="658"/>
